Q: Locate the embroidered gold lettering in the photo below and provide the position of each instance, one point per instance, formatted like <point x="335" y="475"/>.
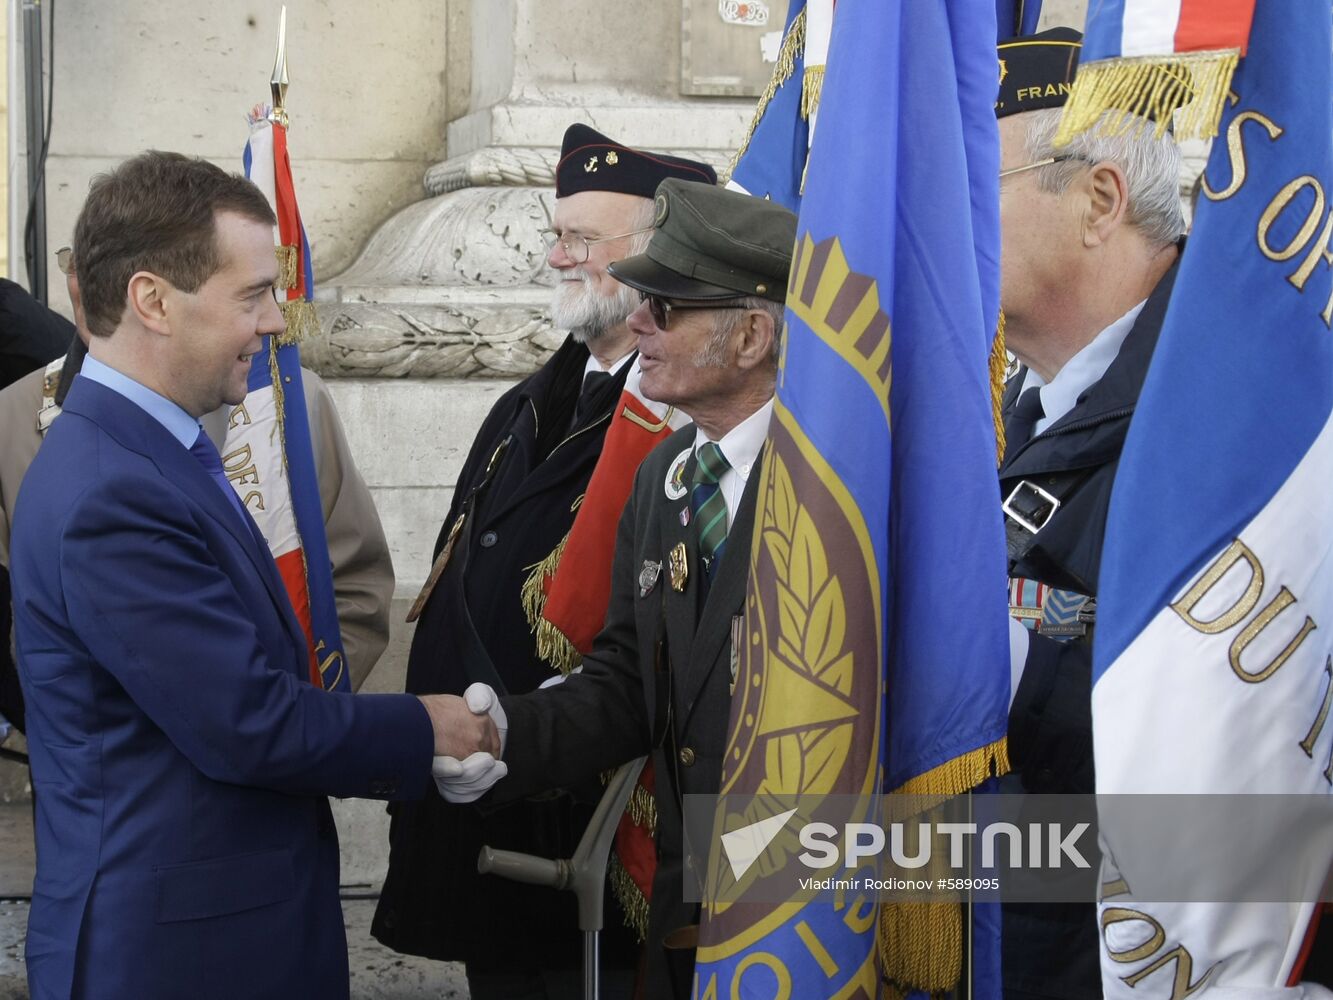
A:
<point x="1317" y="729"/>
<point x="1234" y="615"/>
<point x="1236" y="153"/>
<point x="1276" y="606"/>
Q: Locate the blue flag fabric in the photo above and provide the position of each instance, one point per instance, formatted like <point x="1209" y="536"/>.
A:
<point x="878" y="586"/>
<point x="1016" y="17"/>
<point x="774" y="159"/>
<point x="1217" y="570"/>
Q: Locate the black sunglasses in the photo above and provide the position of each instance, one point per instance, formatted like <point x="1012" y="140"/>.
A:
<point x="661" y="309"/>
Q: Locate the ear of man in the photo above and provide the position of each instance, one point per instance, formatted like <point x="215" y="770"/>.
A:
<point x="1107" y="207"/>
<point x="754" y="344"/>
<point x="148" y="301"/>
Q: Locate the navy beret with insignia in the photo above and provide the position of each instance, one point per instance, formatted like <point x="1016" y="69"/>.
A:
<point x="589" y="161"/>
<point x="1037" y="71"/>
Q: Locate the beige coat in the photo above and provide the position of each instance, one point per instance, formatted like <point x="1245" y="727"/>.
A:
<point x="362" y="570"/>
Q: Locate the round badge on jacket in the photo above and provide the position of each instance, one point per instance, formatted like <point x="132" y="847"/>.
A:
<point x="675" y="478"/>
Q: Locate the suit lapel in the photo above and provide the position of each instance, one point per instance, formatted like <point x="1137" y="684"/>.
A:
<point x="141" y="433"/>
<point x="726" y="595"/>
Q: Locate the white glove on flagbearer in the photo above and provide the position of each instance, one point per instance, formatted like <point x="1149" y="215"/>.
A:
<point x="469" y="779"/>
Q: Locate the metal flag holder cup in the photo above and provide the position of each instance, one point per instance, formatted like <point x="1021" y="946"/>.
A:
<point x="584" y="874"/>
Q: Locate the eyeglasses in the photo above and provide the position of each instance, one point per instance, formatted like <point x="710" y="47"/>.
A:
<point x="65" y="260"/>
<point x="661" y="309"/>
<point x="1040" y="163"/>
<point x="576" y="246"/>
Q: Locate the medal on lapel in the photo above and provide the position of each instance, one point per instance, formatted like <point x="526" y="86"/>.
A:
<point x="685" y="517"/>
<point x="678" y="566"/>
<point x="648" y="577"/>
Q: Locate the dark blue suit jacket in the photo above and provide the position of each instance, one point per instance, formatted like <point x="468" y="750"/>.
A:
<point x="185" y="847"/>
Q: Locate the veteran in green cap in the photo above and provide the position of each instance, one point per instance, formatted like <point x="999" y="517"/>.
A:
<point x="658" y="681"/>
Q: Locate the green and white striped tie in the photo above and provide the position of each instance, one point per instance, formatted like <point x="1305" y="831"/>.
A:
<point x="710" y="506"/>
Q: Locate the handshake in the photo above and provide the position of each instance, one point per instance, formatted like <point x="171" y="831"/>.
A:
<point x="469" y="740"/>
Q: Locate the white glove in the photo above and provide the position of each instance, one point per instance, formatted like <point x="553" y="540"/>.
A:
<point x="483" y="700"/>
<point x="551" y="682"/>
<point x="469" y="779"/>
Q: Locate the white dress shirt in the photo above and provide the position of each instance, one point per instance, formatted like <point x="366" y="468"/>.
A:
<point x="1060" y="394"/>
<point x="740" y="446"/>
<point x="593" y="365"/>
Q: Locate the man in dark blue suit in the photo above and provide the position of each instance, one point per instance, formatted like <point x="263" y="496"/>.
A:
<point x="181" y="758"/>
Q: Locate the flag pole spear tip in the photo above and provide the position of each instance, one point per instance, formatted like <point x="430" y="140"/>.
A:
<point x="278" y="82"/>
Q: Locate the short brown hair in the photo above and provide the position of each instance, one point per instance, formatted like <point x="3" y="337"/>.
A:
<point x="155" y="212"/>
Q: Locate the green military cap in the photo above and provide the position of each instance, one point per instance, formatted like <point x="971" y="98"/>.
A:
<point x="711" y="243"/>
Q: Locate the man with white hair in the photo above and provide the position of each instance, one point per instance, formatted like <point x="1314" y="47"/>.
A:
<point x="1090" y="241"/>
<point x="514" y="503"/>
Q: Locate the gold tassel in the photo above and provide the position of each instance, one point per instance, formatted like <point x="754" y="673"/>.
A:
<point x="533" y="594"/>
<point x="632" y="900"/>
<point x="920" y="947"/>
<point x="555" y="648"/>
<point x="642" y="809"/>
<point x="302" y="321"/>
<point x="288" y="263"/>
<point x="999" y="364"/>
<point x="921" y="944"/>
<point x="792" y="45"/>
<point x="812" y="87"/>
<point x="1130" y="91"/>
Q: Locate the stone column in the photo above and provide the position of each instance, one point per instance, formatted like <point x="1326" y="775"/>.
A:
<point x="456" y="285"/>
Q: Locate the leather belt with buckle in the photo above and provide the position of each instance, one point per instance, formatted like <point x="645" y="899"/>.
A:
<point x="1030" y="506"/>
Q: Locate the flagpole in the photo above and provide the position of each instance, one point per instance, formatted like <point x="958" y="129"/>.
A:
<point x="278" y="81"/>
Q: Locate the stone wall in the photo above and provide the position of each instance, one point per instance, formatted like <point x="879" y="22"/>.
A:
<point x="368" y="101"/>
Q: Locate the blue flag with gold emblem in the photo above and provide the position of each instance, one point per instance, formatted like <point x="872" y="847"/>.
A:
<point x="878" y="653"/>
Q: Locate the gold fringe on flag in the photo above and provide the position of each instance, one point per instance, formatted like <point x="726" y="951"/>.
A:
<point x="921" y="944"/>
<point x="302" y="321"/>
<point x="1131" y="90"/>
<point x="631" y="899"/>
<point x="288" y="267"/>
<point x="792" y="45"/>
<point x="962" y="773"/>
<point x="920" y="947"/>
<point x="812" y="88"/>
<point x="999" y="364"/>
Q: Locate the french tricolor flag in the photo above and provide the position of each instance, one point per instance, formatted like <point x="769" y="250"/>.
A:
<point x="267" y="453"/>
<point x="1120" y="28"/>
<point x="1214" y="651"/>
<point x="1149" y="57"/>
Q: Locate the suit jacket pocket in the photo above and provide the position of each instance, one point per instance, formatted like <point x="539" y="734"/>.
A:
<point x="221" y="886"/>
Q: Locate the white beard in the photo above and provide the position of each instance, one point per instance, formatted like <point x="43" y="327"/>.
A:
<point x="585" y="313"/>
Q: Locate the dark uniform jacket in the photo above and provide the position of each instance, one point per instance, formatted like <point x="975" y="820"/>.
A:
<point x="1053" y="949"/>
<point x="31" y="335"/>
<point x="527" y="468"/>
<point x="658" y="681"/>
